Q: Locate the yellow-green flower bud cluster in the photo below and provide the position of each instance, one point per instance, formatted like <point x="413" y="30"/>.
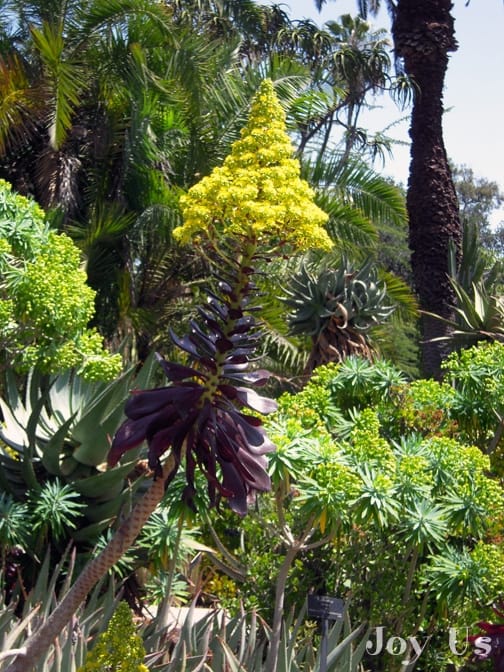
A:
<point x="119" y="648"/>
<point x="45" y="302"/>
<point x="257" y="192"/>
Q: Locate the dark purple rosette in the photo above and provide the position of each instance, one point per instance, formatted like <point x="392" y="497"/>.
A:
<point x="202" y="415"/>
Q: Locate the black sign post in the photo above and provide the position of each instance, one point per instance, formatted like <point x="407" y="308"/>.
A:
<point x="325" y="609"/>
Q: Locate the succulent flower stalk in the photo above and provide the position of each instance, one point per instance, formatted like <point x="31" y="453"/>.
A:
<point x="257" y="192"/>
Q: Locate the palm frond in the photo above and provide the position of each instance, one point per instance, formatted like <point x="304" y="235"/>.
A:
<point x="18" y="103"/>
<point x="64" y="81"/>
<point x="99" y="14"/>
<point x="351" y="231"/>
<point x="401" y="294"/>
<point x="359" y="185"/>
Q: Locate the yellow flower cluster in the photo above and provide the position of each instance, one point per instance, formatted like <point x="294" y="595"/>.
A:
<point x="119" y="648"/>
<point x="257" y="192"/>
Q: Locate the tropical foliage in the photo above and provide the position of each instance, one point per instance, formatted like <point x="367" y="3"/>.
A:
<point x="196" y="160"/>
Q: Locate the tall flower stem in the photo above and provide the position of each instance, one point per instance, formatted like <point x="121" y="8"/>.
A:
<point x="124" y="537"/>
<point x="236" y="290"/>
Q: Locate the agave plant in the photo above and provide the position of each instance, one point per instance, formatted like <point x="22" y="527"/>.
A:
<point x="68" y="651"/>
<point x="478" y="313"/>
<point x="219" y="642"/>
<point x="477" y="316"/>
<point x="61" y="431"/>
<point x="336" y="307"/>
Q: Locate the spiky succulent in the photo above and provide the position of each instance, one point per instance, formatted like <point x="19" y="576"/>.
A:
<point x="336" y="307"/>
<point x="199" y="414"/>
<point x="61" y="430"/>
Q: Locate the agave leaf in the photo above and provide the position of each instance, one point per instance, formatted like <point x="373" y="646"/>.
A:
<point x="232" y="663"/>
<point x="343" y="648"/>
<point x="104" y="485"/>
<point x="92" y="531"/>
<point x="285" y="663"/>
<point x="10" y="640"/>
<point x="98" y="512"/>
<point x="11" y="431"/>
<point x="50" y="455"/>
<point x="146" y="375"/>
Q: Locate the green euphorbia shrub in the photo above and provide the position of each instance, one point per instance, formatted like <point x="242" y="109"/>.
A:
<point x="45" y="303"/>
<point x="405" y="510"/>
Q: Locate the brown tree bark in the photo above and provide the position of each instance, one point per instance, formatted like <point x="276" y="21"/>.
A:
<point x="423" y="34"/>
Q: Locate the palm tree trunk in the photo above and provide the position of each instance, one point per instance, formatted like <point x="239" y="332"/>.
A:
<point x="424" y="35"/>
<point x="126" y="534"/>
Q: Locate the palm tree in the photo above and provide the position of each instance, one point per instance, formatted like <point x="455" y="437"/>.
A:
<point x="348" y="63"/>
<point x="423" y="35"/>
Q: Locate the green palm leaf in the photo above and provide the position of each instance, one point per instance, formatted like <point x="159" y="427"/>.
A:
<point x="64" y="80"/>
<point x="18" y="102"/>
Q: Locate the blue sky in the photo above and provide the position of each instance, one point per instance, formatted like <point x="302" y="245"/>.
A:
<point x="474" y="91"/>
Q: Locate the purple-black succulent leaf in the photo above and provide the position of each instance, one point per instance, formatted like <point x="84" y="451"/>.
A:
<point x="190" y="461"/>
<point x="224" y="345"/>
<point x="185" y="344"/>
<point x="164" y="436"/>
<point x="244" y="325"/>
<point x="251" y="420"/>
<point x="177" y="372"/>
<point x="225" y="288"/>
<point x="258" y="477"/>
<point x="129" y="435"/>
<point x="217" y="306"/>
<point x="206" y="332"/>
<point x="237" y="359"/>
<point x="245" y="353"/>
<point x="208" y="319"/>
<point x="205" y="343"/>
<point x="159" y="443"/>
<point x="232" y="487"/>
<point x="217" y="310"/>
<point x="146" y="402"/>
<point x="229" y="391"/>
<point x="256" y="437"/>
<point x="259" y="377"/>
<point x="230" y="368"/>
<point x="248" y="341"/>
<point x="235" y="378"/>
<point x="255" y="401"/>
<point x="208" y="363"/>
<point x="233" y="445"/>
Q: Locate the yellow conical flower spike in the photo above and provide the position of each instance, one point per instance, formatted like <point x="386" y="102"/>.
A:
<point x="257" y="192"/>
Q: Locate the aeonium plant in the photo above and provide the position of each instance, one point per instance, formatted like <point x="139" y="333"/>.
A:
<point x="254" y="205"/>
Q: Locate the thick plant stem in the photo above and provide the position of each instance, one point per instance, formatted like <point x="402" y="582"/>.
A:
<point x="281" y="584"/>
<point x="41" y="640"/>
